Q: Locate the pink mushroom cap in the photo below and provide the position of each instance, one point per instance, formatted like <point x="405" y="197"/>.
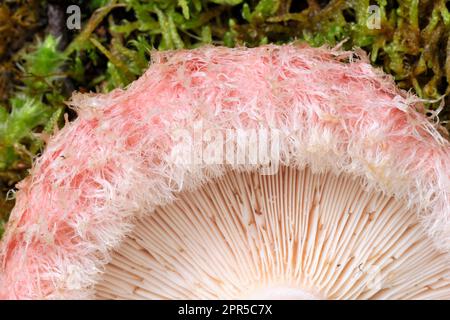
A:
<point x="115" y="162"/>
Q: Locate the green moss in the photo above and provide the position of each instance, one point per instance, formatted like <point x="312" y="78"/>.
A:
<point x="112" y="49"/>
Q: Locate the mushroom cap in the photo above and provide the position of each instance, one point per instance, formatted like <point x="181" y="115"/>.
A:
<point x="291" y="234"/>
<point x="116" y="162"/>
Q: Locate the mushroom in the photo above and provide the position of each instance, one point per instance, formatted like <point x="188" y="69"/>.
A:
<point x="278" y="172"/>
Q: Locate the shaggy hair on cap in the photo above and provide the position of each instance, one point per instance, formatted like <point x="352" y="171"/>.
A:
<point x="115" y="162"/>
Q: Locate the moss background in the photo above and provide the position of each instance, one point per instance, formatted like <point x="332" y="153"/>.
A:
<point x="42" y="61"/>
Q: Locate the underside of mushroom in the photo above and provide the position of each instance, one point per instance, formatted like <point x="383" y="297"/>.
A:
<point x="296" y="234"/>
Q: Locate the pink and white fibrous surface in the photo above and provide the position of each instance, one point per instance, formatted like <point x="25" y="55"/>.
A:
<point x="115" y="163"/>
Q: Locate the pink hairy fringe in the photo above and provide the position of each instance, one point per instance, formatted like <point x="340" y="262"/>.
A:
<point x="114" y="163"/>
